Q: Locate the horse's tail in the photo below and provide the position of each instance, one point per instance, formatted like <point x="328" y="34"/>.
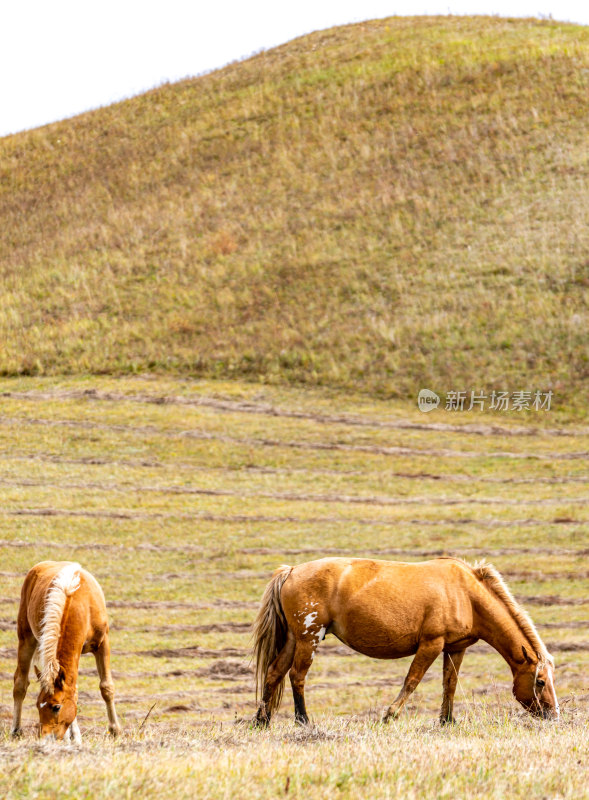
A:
<point x="270" y="630"/>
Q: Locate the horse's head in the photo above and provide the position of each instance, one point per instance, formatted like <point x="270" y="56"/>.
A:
<point x="57" y="708"/>
<point x="533" y="686"/>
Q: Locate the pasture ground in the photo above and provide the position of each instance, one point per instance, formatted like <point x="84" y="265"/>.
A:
<point x="182" y="497"/>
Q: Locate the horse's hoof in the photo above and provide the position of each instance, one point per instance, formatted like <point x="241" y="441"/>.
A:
<point x="302" y="721"/>
<point x="448" y="721"/>
<point x="17" y="733"/>
<point x="114" y="730"/>
<point x="390" y="715"/>
<point x="261" y="723"/>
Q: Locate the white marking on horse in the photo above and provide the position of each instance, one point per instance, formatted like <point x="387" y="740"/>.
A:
<point x="319" y="636"/>
<point x="550" y="681"/>
<point x="310" y="619"/>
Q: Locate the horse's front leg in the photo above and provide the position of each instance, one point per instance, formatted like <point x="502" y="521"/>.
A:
<point x="452" y="662"/>
<point x="26" y="650"/>
<point x="426" y="654"/>
<point x="73" y="734"/>
<point x="107" y="688"/>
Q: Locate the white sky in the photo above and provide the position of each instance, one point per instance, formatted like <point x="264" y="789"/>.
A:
<point x="61" y="57"/>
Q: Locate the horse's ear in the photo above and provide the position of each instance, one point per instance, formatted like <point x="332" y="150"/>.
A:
<point x="526" y="656"/>
<point x="60" y="679"/>
<point x="37" y="673"/>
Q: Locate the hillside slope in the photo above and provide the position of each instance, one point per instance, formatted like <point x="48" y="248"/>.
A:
<point x="386" y="205"/>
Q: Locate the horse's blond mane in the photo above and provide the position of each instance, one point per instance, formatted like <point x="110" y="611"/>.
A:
<point x="493" y="580"/>
<point x="63" y="585"/>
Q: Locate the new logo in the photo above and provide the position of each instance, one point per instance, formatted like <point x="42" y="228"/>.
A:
<point x="427" y="400"/>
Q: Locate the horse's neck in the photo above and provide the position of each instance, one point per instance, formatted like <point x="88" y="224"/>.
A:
<point x="71" y="642"/>
<point x="497" y="627"/>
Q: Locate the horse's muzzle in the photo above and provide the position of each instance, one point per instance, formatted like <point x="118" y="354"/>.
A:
<point x="550" y="713"/>
<point x="50" y="736"/>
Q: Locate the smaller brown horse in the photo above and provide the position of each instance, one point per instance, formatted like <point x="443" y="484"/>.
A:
<point x="388" y="609"/>
<point x="62" y="614"/>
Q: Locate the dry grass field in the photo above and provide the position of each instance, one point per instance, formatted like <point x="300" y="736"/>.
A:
<point x="182" y="497"/>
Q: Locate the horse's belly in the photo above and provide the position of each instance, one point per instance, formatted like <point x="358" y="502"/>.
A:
<point x="375" y="639"/>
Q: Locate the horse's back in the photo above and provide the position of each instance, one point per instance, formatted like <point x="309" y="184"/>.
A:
<point x="87" y="597"/>
<point x="353" y="575"/>
<point x="96" y="600"/>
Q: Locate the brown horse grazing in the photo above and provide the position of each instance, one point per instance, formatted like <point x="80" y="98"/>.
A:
<point x="62" y="614"/>
<point x="388" y="609"/>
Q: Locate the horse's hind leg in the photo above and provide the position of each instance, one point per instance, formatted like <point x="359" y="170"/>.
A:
<point x="274" y="677"/>
<point x="302" y="661"/>
<point x="26" y="649"/>
<point x="107" y="689"/>
<point x="426" y="654"/>
<point x="452" y="662"/>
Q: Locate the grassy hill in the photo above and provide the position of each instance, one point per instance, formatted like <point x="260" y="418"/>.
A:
<point x="386" y="205"/>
